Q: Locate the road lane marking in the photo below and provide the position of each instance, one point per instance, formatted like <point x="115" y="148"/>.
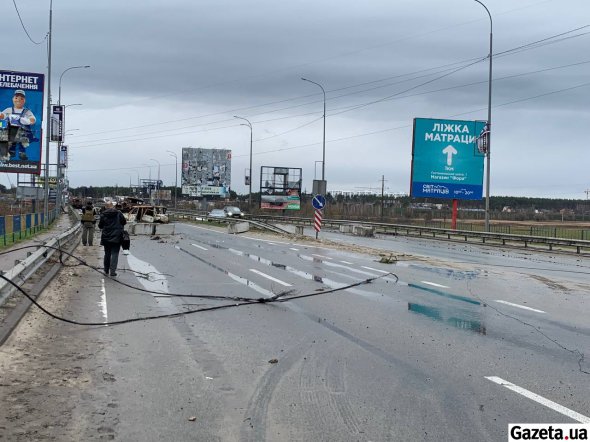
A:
<point x="375" y="270"/>
<point x="270" y="277"/>
<point x="520" y="306"/>
<point x="540" y="399"/>
<point x="346" y="262"/>
<point x="199" y="247"/>
<point x="320" y="256"/>
<point x="272" y="243"/>
<point x="294" y="249"/>
<point x="151" y="279"/>
<point x="434" y="284"/>
<point x="103" y="301"/>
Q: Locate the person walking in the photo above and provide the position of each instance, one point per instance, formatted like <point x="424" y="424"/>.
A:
<point x="88" y="221"/>
<point x="111" y="223"/>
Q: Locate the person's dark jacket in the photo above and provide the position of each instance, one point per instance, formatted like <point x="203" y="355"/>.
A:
<point x="111" y="222"/>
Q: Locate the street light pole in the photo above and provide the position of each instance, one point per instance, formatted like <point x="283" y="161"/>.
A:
<point x="59" y="144"/>
<point x="324" y="137"/>
<point x="48" y="122"/>
<point x="250" y="180"/>
<point x="489" y="125"/>
<point x="175" y="176"/>
<point x="157" y="183"/>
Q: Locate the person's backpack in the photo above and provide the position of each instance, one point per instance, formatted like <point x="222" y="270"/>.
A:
<point x="125" y="240"/>
<point x="88" y="215"/>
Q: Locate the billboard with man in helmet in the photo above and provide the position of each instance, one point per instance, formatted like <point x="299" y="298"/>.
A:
<point x="21" y="119"/>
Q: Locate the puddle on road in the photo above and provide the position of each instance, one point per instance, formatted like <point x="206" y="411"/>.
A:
<point x="458" y="318"/>
<point x="445" y="294"/>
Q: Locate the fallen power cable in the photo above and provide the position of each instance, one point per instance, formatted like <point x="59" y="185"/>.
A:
<point x="241" y="301"/>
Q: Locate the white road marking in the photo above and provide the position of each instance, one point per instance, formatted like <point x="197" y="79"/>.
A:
<point x="435" y="284"/>
<point x="152" y="279"/>
<point x="270" y="277"/>
<point x="266" y="240"/>
<point x="346" y="262"/>
<point x="320" y="256"/>
<point x="198" y="246"/>
<point x="103" y="301"/>
<point x="291" y="248"/>
<point x="520" y="306"/>
<point x="541" y="400"/>
<point x="375" y="270"/>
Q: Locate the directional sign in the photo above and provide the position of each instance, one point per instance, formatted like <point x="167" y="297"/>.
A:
<point x="446" y="162"/>
<point x="318" y="202"/>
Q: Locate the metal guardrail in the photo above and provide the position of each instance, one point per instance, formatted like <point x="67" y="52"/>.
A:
<point x="27" y="267"/>
<point x="488" y="238"/>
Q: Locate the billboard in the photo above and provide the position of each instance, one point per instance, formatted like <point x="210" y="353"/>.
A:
<point x="446" y="162"/>
<point x="21" y="119"/>
<point x="206" y="172"/>
<point x="280" y="188"/>
<point x="57" y="123"/>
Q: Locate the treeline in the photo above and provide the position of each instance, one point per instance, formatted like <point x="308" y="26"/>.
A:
<point x="497" y="203"/>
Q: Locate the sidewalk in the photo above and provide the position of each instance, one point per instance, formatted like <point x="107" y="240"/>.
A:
<point x="7" y="259"/>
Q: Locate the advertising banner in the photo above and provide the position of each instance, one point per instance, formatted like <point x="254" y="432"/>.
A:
<point x="57" y="123"/>
<point x="446" y="162"/>
<point x="206" y="172"/>
<point x="280" y="188"/>
<point x="63" y="156"/>
<point x="21" y="119"/>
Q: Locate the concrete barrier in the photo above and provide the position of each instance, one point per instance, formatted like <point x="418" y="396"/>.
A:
<point x="345" y="228"/>
<point x="142" y="229"/>
<point x="164" y="229"/>
<point x="238" y="227"/>
<point x="357" y="230"/>
<point x="363" y="231"/>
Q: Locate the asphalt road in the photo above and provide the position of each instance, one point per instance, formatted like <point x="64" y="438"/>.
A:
<point x="452" y="343"/>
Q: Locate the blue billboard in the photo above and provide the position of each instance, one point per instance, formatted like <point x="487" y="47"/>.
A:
<point x="445" y="160"/>
<point x="21" y="119"/>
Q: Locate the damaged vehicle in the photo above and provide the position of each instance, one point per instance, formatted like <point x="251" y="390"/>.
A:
<point x="147" y="214"/>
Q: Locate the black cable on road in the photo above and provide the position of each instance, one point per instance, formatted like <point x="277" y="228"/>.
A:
<point x="276" y="298"/>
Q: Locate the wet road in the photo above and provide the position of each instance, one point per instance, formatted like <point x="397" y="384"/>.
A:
<point x="424" y="358"/>
<point x="452" y="344"/>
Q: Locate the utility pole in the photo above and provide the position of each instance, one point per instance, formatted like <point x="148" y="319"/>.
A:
<point x="382" y="196"/>
<point x="587" y="192"/>
<point x="48" y="123"/>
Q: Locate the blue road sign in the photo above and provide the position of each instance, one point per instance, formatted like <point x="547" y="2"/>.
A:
<point x="318" y="202"/>
<point x="445" y="160"/>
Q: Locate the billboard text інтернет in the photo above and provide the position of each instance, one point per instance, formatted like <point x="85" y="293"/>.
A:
<point x="21" y="119"/>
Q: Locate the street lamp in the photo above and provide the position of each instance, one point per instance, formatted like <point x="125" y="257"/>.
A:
<point x="59" y="144"/>
<point x="61" y="76"/>
<point x="324" y="138"/>
<point x="150" y="181"/>
<point x="172" y="154"/>
<point x="157" y="183"/>
<point x="250" y="178"/>
<point x="489" y="126"/>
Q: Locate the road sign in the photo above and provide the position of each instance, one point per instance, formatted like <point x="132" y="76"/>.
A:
<point x="446" y="162"/>
<point x="318" y="202"/>
<point x="317" y="221"/>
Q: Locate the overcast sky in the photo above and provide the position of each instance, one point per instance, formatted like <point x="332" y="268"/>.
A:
<point x="167" y="75"/>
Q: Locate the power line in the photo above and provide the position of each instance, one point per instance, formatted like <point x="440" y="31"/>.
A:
<point x="528" y="46"/>
<point x="24" y="28"/>
<point x="399" y="95"/>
